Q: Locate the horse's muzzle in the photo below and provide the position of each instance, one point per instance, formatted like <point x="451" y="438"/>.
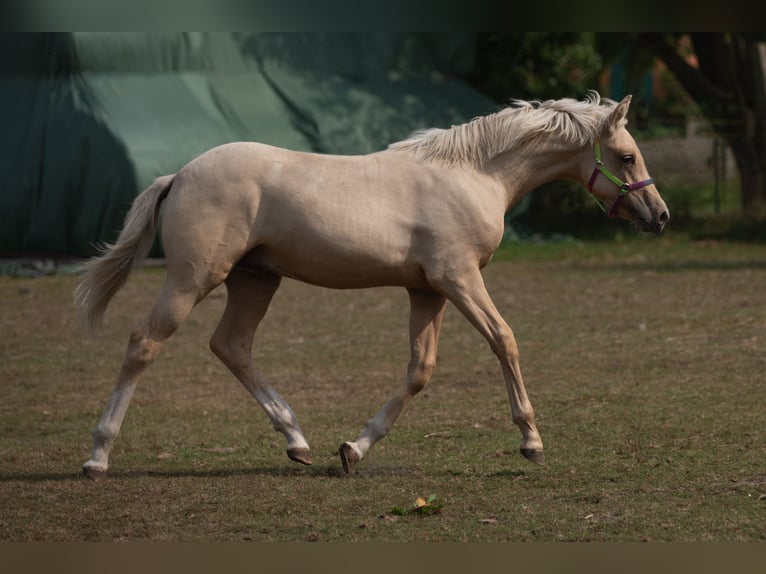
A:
<point x="652" y="223"/>
<point x="656" y="224"/>
<point x="660" y="221"/>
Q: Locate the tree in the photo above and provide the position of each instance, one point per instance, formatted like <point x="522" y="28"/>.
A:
<point x="535" y="65"/>
<point x="725" y="79"/>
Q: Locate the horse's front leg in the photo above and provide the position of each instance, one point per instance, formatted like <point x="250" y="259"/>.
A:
<point x="426" y="312"/>
<point x="469" y="294"/>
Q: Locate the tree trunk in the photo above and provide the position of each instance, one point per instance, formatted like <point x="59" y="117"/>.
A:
<point x="747" y="140"/>
<point x="752" y="170"/>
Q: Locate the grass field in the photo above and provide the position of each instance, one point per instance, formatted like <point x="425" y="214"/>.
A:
<point x="644" y="359"/>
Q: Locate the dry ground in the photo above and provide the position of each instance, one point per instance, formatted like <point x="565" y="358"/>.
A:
<point x="644" y="361"/>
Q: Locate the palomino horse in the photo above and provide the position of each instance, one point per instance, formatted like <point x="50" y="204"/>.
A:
<point x="425" y="214"/>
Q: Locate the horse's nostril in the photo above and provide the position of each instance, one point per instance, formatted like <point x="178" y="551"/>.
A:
<point x="662" y="219"/>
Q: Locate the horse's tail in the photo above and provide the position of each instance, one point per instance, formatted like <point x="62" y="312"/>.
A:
<point x="106" y="274"/>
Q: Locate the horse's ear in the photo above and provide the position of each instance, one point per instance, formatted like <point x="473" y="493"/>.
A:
<point x="619" y="115"/>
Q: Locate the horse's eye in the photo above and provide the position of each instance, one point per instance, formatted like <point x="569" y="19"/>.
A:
<point x="628" y="159"/>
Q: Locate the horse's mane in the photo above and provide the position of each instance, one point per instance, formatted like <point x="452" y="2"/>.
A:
<point x="485" y="137"/>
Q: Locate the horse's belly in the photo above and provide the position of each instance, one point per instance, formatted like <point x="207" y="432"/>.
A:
<point x="337" y="270"/>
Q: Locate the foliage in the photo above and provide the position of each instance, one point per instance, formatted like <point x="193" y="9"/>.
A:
<point x="535" y="65"/>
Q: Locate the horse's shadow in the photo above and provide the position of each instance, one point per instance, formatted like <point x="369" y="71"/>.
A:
<point x="275" y="471"/>
<point x="314" y="471"/>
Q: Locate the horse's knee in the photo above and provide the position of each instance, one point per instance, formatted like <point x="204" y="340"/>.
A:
<point x="419" y="374"/>
<point x="505" y="347"/>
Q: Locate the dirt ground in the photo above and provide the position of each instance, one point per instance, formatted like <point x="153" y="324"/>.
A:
<point x="644" y="362"/>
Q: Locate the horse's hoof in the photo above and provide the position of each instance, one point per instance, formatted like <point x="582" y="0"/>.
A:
<point x="534" y="455"/>
<point x="94" y="473"/>
<point x="301" y="455"/>
<point x="348" y="458"/>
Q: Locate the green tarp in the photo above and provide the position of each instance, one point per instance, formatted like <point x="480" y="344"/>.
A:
<point x="90" y="119"/>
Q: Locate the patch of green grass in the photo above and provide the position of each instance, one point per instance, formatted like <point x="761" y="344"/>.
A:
<point x="673" y="249"/>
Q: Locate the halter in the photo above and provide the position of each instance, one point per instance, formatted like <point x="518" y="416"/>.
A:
<point x="624" y="187"/>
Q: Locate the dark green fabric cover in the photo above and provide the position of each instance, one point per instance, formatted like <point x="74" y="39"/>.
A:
<point x="90" y="119"/>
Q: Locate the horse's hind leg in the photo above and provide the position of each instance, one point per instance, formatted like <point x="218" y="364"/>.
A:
<point x="426" y="312"/>
<point x="249" y="295"/>
<point x="170" y="310"/>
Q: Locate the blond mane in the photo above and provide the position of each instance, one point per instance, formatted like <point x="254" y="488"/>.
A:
<point x="523" y="122"/>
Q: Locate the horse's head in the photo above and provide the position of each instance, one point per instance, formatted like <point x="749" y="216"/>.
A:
<point x="620" y="179"/>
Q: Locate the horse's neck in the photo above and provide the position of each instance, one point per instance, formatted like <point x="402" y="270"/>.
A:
<point x="521" y="170"/>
